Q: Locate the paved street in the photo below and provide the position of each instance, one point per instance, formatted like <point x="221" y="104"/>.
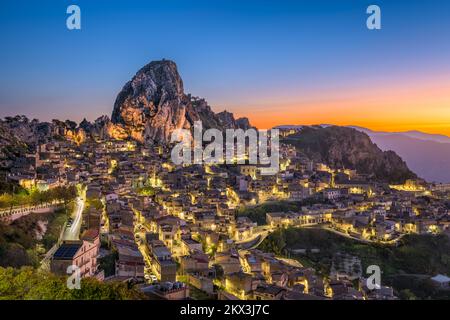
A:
<point x="73" y="232"/>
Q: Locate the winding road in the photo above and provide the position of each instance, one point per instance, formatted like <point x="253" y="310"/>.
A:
<point x="69" y="233"/>
<point x="73" y="232"/>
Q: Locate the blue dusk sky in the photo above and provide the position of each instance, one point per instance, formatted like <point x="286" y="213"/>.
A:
<point x="277" y="62"/>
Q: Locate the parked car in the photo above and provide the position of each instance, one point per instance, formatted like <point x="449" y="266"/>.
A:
<point x="151" y="278"/>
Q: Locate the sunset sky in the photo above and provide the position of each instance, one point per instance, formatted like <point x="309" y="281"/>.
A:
<point x="276" y="62"/>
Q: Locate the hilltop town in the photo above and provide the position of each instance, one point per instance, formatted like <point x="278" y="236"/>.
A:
<point x="210" y="231"/>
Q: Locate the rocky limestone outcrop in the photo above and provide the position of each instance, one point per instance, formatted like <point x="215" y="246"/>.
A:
<point x="101" y="128"/>
<point x="34" y="131"/>
<point x="342" y="147"/>
<point x="243" y="123"/>
<point x="153" y="104"/>
<point x="227" y="121"/>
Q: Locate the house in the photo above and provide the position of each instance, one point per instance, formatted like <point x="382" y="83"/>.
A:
<point x="297" y="192"/>
<point x="163" y="265"/>
<point x="167" y="233"/>
<point x="244" y="228"/>
<point x="130" y="262"/>
<point x="189" y="246"/>
<point x="197" y="262"/>
<point x="381" y="293"/>
<point x="93" y="192"/>
<point x="93" y="218"/>
<point x="268" y="292"/>
<point x="66" y="255"/>
<point x="280" y="219"/>
<point x="270" y="265"/>
<point x="332" y="194"/>
<point x="239" y="283"/>
<point x="242" y="182"/>
<point x="338" y="289"/>
<point x="312" y="217"/>
<point x="385" y="229"/>
<point x="81" y="253"/>
<point x="229" y="262"/>
<point x="251" y="263"/>
<point x="279" y="278"/>
<point x="201" y="282"/>
<point x="167" y="291"/>
<point x="441" y="281"/>
<point x="111" y="197"/>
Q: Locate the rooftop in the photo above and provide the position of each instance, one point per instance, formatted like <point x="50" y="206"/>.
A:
<point x="441" y="278"/>
<point x="66" y="251"/>
<point x="90" y="234"/>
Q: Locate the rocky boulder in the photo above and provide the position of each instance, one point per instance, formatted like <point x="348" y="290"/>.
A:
<point x="153" y="104"/>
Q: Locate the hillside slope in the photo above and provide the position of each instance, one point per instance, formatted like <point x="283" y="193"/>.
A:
<point x="342" y="147"/>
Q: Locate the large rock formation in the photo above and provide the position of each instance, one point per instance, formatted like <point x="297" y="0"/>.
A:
<point x="342" y="147"/>
<point x="153" y="104"/>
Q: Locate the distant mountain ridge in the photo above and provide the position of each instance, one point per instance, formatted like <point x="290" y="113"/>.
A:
<point x="415" y="134"/>
<point x="426" y="154"/>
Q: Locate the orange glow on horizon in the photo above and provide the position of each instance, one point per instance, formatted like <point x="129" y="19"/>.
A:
<point x="392" y="108"/>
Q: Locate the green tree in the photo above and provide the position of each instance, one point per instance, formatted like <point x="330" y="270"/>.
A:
<point x="407" y="294"/>
<point x="28" y="283"/>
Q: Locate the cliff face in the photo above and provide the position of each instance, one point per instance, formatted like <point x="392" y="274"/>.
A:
<point x="11" y="147"/>
<point x="342" y="147"/>
<point x="31" y="131"/>
<point x="153" y="104"/>
<point x="227" y="120"/>
<point x="19" y="135"/>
